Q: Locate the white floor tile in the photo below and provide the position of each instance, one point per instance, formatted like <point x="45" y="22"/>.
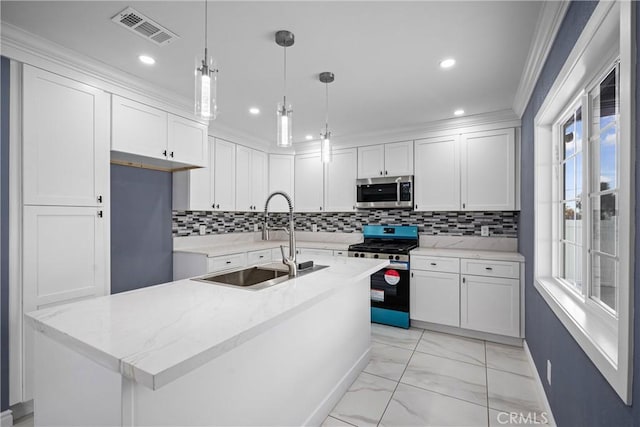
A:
<point x="398" y="337"/>
<point x="458" y="348"/>
<point x="507" y="419"/>
<point x="334" y="422"/>
<point x="508" y="358"/>
<point x="451" y="377"/>
<point x="411" y="406"/>
<point x="388" y="361"/>
<point x="365" y="401"/>
<point x="512" y="392"/>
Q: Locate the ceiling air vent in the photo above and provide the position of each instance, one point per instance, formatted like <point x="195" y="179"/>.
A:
<point x="134" y="21"/>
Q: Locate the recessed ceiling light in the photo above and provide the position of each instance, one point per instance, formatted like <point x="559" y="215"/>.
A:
<point x="254" y="110"/>
<point x="308" y="137"/>
<point x="447" y="63"/>
<point x="459" y="112"/>
<point x="145" y="59"/>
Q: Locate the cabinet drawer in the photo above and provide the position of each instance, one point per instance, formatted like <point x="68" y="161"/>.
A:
<point x="259" y="257"/>
<point x="432" y="263"/>
<point x="480" y="267"/>
<point x="339" y="253"/>
<point x="226" y="262"/>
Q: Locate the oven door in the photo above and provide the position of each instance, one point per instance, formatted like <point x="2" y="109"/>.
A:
<point x="390" y="287"/>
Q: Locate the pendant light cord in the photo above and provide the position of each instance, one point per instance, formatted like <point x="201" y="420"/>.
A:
<point x="284" y="84"/>
<point x="206" y="3"/>
<point x="326" y="121"/>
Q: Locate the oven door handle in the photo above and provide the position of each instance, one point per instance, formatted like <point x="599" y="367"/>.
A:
<point x="398" y="266"/>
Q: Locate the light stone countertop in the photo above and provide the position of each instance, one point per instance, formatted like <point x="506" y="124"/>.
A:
<point x="218" y="250"/>
<point x="157" y="334"/>
<point x="470" y="253"/>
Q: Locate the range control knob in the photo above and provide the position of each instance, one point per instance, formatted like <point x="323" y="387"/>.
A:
<point x="397" y="257"/>
<point x="356" y="255"/>
<point x="375" y="256"/>
<point x="390" y="256"/>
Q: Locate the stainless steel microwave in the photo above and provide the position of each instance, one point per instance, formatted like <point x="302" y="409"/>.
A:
<point x="386" y="192"/>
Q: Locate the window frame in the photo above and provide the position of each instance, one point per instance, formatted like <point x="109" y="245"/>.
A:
<point x="605" y="339"/>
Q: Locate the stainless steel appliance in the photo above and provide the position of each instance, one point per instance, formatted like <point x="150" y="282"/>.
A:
<point x="389" y="286"/>
<point x="386" y="192"/>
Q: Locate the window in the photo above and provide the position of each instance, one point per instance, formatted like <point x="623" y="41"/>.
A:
<point x="584" y="199"/>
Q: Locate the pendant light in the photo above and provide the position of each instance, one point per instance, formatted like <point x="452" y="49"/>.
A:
<point x="284" y="114"/>
<point x="325" y="137"/>
<point x="206" y="81"/>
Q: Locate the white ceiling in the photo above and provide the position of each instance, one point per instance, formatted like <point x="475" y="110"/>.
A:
<point x="385" y="56"/>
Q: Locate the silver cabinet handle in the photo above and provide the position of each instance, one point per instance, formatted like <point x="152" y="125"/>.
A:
<point x="488" y="268"/>
<point x="433" y="263"/>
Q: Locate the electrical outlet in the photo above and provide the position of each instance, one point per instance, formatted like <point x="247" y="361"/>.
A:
<point x="203" y="230"/>
<point x="549" y="372"/>
<point x="314" y="228"/>
<point x="255" y="227"/>
<point x="484" y="230"/>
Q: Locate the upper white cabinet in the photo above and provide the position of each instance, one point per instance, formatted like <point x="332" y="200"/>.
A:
<point x="224" y="172"/>
<point x="65" y="141"/>
<point x="251" y="179"/>
<point x="281" y="167"/>
<point x="340" y="181"/>
<point x="146" y="134"/>
<point x="437" y="176"/>
<point x="193" y="189"/>
<point x="309" y="183"/>
<point x="385" y="160"/>
<point x="468" y="172"/>
<point x="488" y="170"/>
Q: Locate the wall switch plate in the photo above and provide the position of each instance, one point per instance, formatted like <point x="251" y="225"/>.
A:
<point x="203" y="230"/>
<point x="484" y="230"/>
<point x="549" y="372"/>
<point x="314" y="228"/>
<point x="255" y="227"/>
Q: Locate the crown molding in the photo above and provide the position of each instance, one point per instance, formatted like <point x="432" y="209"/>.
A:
<point x="547" y="27"/>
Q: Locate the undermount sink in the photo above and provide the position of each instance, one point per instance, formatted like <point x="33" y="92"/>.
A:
<point x="254" y="278"/>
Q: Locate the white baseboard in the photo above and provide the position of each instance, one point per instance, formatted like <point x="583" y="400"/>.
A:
<point x="6" y="418"/>
<point x="500" y="339"/>
<point x="539" y="387"/>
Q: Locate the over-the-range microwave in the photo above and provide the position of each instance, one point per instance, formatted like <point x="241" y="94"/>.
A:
<point x="386" y="192"/>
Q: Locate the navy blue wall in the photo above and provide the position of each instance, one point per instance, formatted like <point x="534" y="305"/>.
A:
<point x="579" y="394"/>
<point x="4" y="234"/>
<point x="141" y="242"/>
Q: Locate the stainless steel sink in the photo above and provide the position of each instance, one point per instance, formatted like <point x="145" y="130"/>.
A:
<point x="254" y="278"/>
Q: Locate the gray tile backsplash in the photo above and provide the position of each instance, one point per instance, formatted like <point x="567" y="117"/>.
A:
<point x="501" y="224"/>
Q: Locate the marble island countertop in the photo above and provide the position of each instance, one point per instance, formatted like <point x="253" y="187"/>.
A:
<point x="217" y="250"/>
<point x="157" y="334"/>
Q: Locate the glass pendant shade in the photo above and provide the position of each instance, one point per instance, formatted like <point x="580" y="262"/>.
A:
<point x="325" y="147"/>
<point x="284" y="118"/>
<point x="206" y="87"/>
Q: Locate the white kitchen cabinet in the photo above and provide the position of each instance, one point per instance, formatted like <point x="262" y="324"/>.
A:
<point x="251" y="179"/>
<point x="435" y="297"/>
<point x="394" y="159"/>
<point x="308" y="172"/>
<point x="193" y="189"/>
<point x="65" y="141"/>
<point x="490" y="304"/>
<point x="437" y="174"/>
<point x="226" y="262"/>
<point x="341" y="253"/>
<point x="258" y="257"/>
<point x="65" y="258"/>
<point x="340" y="181"/>
<point x="187" y="141"/>
<point x="144" y="134"/>
<point x="488" y="170"/>
<point x="224" y="172"/>
<point x="281" y="175"/>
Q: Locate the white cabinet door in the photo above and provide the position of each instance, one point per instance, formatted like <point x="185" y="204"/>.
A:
<point x="193" y="189"/>
<point x="187" y="141"/>
<point x="398" y="158"/>
<point x="65" y="141"/>
<point x="224" y="171"/>
<point x="435" y="297"/>
<point x="308" y="183"/>
<point x="488" y="171"/>
<point x="371" y="161"/>
<point x="138" y="129"/>
<point x="490" y="304"/>
<point x="259" y="177"/>
<point x="243" y="178"/>
<point x="340" y="181"/>
<point x="280" y="179"/>
<point x="437" y="174"/>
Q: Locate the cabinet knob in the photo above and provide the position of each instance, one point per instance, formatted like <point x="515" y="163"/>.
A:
<point x="218" y="206"/>
<point x="213" y="206"/>
<point x="385" y="172"/>
<point x="380" y="172"/>
<point x="228" y="262"/>
<point x="488" y="268"/>
<point x="416" y="206"/>
<point x="99" y="199"/>
<point x="354" y="207"/>
<point x="171" y="154"/>
<point x="99" y="214"/>
<point x="433" y="263"/>
<point x="320" y="207"/>
<point x="463" y="205"/>
<point x="464" y="280"/>
<point x="164" y="153"/>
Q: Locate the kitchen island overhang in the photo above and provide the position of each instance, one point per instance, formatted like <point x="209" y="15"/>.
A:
<point x="192" y="353"/>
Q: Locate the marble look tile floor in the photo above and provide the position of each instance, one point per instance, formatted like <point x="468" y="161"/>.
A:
<point x="423" y="378"/>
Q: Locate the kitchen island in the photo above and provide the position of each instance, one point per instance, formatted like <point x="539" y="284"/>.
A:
<point x="194" y="353"/>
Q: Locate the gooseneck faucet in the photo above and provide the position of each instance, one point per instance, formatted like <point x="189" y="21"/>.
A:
<point x="289" y="261"/>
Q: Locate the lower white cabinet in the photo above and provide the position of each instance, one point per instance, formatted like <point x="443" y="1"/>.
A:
<point x="259" y="257"/>
<point x="490" y="304"/>
<point x="435" y="297"/>
<point x="475" y="294"/>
